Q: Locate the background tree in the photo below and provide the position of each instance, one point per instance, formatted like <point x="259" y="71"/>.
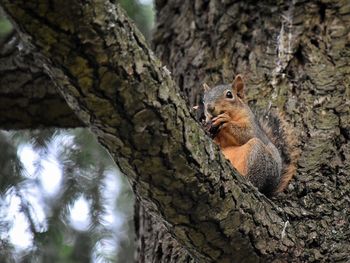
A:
<point x="294" y="54"/>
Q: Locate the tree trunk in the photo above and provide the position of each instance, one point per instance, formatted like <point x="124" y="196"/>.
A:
<point x="295" y="56"/>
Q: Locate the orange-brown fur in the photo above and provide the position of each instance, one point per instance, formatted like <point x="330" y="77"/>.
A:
<point x="238" y="156"/>
<point x="225" y="137"/>
<point x="287" y="176"/>
<point x="289" y="142"/>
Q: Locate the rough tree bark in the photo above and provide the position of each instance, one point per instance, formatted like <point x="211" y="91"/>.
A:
<point x="27" y="99"/>
<point x="295" y="55"/>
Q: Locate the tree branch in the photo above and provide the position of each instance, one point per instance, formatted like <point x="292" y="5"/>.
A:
<point x="113" y="82"/>
<point x="27" y="96"/>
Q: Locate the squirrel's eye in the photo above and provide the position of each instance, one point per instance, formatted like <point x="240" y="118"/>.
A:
<point x="229" y="95"/>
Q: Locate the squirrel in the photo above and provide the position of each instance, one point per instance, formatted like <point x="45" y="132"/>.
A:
<point x="261" y="149"/>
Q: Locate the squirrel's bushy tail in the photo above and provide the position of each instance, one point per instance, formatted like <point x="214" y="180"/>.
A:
<point x="281" y="135"/>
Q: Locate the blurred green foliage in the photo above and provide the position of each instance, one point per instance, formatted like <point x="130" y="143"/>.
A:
<point x="87" y="171"/>
<point x="5" y="27"/>
<point x="142" y="14"/>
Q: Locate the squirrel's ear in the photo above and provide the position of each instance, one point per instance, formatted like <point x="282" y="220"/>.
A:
<point x="238" y="86"/>
<point x="206" y="88"/>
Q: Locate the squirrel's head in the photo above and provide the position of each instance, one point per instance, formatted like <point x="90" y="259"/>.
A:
<point x="222" y="98"/>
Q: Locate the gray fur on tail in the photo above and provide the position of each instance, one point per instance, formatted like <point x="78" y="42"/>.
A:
<point x="281" y="135"/>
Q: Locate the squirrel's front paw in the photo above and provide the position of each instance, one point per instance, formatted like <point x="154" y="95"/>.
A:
<point x="214" y="125"/>
<point x="220" y="120"/>
<point x="211" y="129"/>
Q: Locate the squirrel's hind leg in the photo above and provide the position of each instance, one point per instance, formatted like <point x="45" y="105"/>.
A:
<point x="256" y="162"/>
<point x="239" y="156"/>
<point x="263" y="170"/>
